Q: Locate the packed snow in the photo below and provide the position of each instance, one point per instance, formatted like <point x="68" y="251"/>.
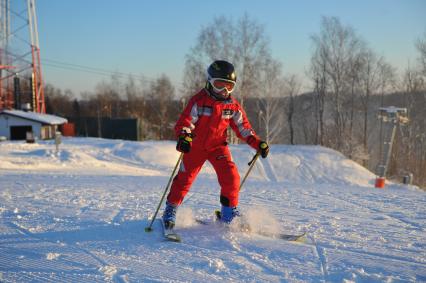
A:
<point x="78" y="215"/>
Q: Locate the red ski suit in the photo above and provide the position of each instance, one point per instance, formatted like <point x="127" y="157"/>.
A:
<point x="208" y="119"/>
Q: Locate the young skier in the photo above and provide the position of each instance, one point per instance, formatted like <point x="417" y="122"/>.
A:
<point x="201" y="131"/>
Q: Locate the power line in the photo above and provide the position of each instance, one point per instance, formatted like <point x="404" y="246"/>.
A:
<point x="85" y="68"/>
<point x="75" y="69"/>
<point x="92" y="70"/>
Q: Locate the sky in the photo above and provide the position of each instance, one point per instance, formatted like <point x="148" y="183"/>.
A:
<point x="151" y="38"/>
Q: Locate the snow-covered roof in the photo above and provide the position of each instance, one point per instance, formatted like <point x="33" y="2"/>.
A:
<point x="38" y="117"/>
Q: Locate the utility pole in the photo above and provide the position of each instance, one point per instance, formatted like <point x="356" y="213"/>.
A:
<point x="20" y="54"/>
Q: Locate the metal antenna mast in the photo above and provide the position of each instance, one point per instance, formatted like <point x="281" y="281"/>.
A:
<point x="20" y="64"/>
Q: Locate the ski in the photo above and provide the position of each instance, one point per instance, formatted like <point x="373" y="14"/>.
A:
<point x="286" y="237"/>
<point x="170" y="234"/>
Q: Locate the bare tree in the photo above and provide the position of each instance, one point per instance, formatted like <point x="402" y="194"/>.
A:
<point x="58" y="102"/>
<point x="356" y="63"/>
<point x="242" y="43"/>
<point x="214" y="42"/>
<point x="160" y="99"/>
<point x="369" y="80"/>
<point x="335" y="47"/>
<point x="421" y="47"/>
<point x="412" y="80"/>
<point x="108" y="97"/>
<point x="252" y="56"/>
<point x="136" y="104"/>
<point x="319" y="76"/>
<point x="269" y="110"/>
<point x="135" y="99"/>
<point x="292" y="87"/>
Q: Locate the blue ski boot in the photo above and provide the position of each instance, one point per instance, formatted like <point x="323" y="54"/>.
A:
<point x="227" y="214"/>
<point x="169" y="215"/>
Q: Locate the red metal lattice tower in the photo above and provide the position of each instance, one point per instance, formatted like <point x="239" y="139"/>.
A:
<point x="20" y="55"/>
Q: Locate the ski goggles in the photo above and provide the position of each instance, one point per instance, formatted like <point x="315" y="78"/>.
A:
<point x="222" y="84"/>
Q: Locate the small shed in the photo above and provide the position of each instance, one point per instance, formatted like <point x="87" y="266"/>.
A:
<point x="14" y="124"/>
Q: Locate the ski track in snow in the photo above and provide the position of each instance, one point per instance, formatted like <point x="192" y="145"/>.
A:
<point x="79" y="216"/>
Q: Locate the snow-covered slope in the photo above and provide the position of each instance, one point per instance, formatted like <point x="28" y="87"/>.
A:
<point x="79" y="216"/>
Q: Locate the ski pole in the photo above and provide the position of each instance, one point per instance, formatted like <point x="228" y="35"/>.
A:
<point x="251" y="164"/>
<point x="149" y="228"/>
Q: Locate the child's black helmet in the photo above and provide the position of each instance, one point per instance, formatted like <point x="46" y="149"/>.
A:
<point x="221" y="70"/>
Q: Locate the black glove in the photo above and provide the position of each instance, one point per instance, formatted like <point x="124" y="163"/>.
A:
<point x="263" y="149"/>
<point x="184" y="142"/>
